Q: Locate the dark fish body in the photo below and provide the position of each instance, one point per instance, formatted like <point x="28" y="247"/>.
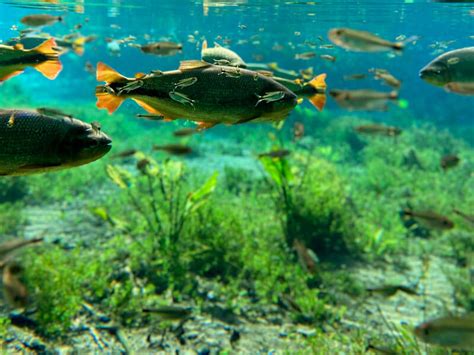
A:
<point x="281" y="153"/>
<point x="450" y="332"/>
<point x="39" y="20"/>
<point x="176" y="149"/>
<point x="44" y="58"/>
<point x="170" y="312"/>
<point x="35" y="143"/>
<point x="449" y="161"/>
<point x="184" y="132"/>
<point x="377" y="129"/>
<point x="453" y="70"/>
<point x="214" y="94"/>
<point x="431" y="219"/>
<point x="364" y="99"/>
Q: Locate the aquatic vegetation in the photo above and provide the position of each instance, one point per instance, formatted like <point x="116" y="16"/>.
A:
<point x="11" y="218"/>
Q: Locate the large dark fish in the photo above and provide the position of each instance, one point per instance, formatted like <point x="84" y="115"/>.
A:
<point x="453" y="70"/>
<point x="35" y="143"/>
<point x="200" y="92"/>
<point x="44" y="58"/>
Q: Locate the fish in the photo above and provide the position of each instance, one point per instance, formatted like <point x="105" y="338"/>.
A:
<point x="361" y="41"/>
<point x="40" y="20"/>
<point x="221" y="56"/>
<point x="450" y="332"/>
<point x="35" y="143"/>
<point x="125" y="154"/>
<point x="278" y="154"/>
<point x="48" y="111"/>
<point x="298" y="131"/>
<point x="175" y="149"/>
<point x="307" y="74"/>
<point x="7" y="248"/>
<point x="389" y="79"/>
<point x="64" y="44"/>
<point x="329" y="58"/>
<point x="378" y="129"/>
<point x="308" y="260"/>
<point x="313" y="90"/>
<point x="142" y="165"/>
<point x="162" y="48"/>
<point x="44" y="58"/>
<point x="14" y="289"/>
<point x="213" y="98"/>
<point x="184" y="132"/>
<point x="390" y="290"/>
<point x="364" y="99"/>
<point x="449" y="161"/>
<point x="305" y="55"/>
<point x="355" y="76"/>
<point x="170" y="312"/>
<point x="430" y="219"/>
<point x="453" y="70"/>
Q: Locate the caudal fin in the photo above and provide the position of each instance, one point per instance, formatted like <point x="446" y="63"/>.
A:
<point x="107" y="100"/>
<point x="319" y="82"/>
<point x="109" y="75"/>
<point x="50" y="68"/>
<point x="318" y="101"/>
<point x="48" y="48"/>
<point x="78" y="45"/>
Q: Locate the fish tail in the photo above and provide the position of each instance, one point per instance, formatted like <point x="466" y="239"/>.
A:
<point x="398" y="46"/>
<point x="107" y="100"/>
<point x="318" y="101"/>
<point x="51" y="67"/>
<point x="109" y="75"/>
<point x="319" y="82"/>
<point x="393" y="95"/>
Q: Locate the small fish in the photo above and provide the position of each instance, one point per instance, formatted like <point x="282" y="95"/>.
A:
<point x="125" y="154"/>
<point x="186" y="82"/>
<point x="389" y="79"/>
<point x="364" y="99"/>
<point x="270" y="97"/>
<point x="277" y="154"/>
<point x="175" y="149"/>
<point x="230" y="73"/>
<point x="361" y="41"/>
<point x="170" y="312"/>
<point x="88" y="67"/>
<point x="449" y="161"/>
<point x="134" y="85"/>
<point x="430" y="219"/>
<point x="390" y="290"/>
<point x="355" y="77"/>
<point x="308" y="260"/>
<point x="47" y="111"/>
<point x="162" y="48"/>
<point x="40" y="20"/>
<point x="450" y="332"/>
<point x="7" y="248"/>
<point x="305" y="56"/>
<point x="184" y="132"/>
<point x="298" y="131"/>
<point x="218" y="54"/>
<point x="329" y="58"/>
<point x="378" y="129"/>
<point x="307" y="73"/>
<point x="181" y="98"/>
<point x="14" y="289"/>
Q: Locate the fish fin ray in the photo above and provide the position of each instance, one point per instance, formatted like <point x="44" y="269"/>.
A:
<point x="192" y="64"/>
<point x="318" y="101"/>
<point x="319" y="82"/>
<point x="107" y="101"/>
<point x="107" y="74"/>
<point x="50" y="68"/>
<point x="47" y="48"/>
<point x="10" y="75"/>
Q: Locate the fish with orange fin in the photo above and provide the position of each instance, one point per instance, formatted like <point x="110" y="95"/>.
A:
<point x="313" y="90"/>
<point x="75" y="43"/>
<point x="44" y="58"/>
<point x="200" y="92"/>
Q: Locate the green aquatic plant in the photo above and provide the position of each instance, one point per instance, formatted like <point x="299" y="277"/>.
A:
<point x="11" y="218"/>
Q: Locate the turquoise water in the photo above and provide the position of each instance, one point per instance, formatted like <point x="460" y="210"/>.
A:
<point x="225" y="230"/>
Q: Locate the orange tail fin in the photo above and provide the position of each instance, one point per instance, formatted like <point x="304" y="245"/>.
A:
<point x="107" y="74"/>
<point x="78" y="46"/>
<point x="319" y="82"/>
<point x="107" y="100"/>
<point x="50" y="68"/>
<point x="318" y="101"/>
<point x="48" y="48"/>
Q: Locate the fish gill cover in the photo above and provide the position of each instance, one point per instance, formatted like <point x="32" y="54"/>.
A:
<point x="283" y="176"/>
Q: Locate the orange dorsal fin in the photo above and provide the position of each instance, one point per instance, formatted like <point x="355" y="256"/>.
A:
<point x="319" y="82"/>
<point x="318" y="101"/>
<point x="107" y="101"/>
<point x="139" y="75"/>
<point x="19" y="46"/>
<point x="49" y="68"/>
<point x="204" y="45"/>
<point x="107" y="74"/>
<point x="47" y="47"/>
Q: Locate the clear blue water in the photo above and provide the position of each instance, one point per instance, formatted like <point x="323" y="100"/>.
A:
<point x="287" y="23"/>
